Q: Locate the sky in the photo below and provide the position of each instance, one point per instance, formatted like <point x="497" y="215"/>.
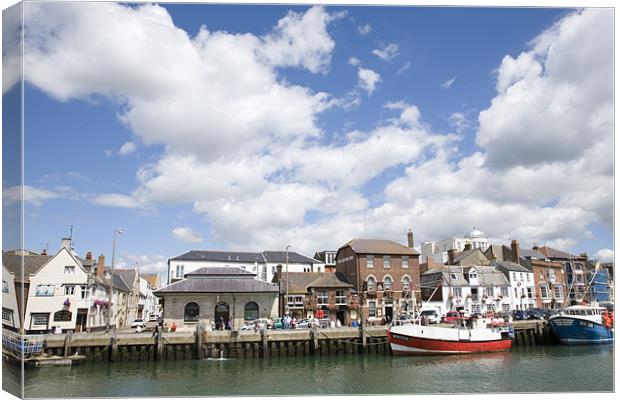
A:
<point x="226" y="127"/>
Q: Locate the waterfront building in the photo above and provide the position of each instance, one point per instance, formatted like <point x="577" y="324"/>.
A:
<point x="314" y="294"/>
<point x="148" y="304"/>
<point x="385" y="274"/>
<point x="131" y="277"/>
<point x="438" y="251"/>
<point x="212" y="294"/>
<point x="262" y="264"/>
<point x="522" y="286"/>
<point x="11" y="318"/>
<point x="469" y="290"/>
<point x="576" y="269"/>
<point x="328" y="258"/>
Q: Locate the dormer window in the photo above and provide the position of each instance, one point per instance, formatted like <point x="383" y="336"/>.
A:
<point x="473" y="275"/>
<point x="453" y="277"/>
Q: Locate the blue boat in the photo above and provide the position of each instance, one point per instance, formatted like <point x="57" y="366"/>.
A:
<point x="582" y="325"/>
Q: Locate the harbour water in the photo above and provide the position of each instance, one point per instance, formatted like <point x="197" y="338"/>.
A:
<point x="526" y="369"/>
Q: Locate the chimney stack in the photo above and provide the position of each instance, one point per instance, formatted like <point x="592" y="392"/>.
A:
<point x="66" y="243"/>
<point x="44" y="252"/>
<point x="410" y="239"/>
<point x="515" y="251"/>
<point x="451" y="257"/>
<point x="99" y="269"/>
<point x="89" y="256"/>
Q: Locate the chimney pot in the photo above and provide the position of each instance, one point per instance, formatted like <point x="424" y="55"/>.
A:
<point x="44" y="252"/>
<point x="89" y="255"/>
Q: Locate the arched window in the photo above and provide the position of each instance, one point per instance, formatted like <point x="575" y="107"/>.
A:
<point x="371" y="283"/>
<point x="251" y="311"/>
<point x="191" y="312"/>
<point x="387" y="283"/>
<point x="406" y="283"/>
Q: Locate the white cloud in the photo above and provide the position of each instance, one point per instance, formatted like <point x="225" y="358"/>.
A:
<point x="448" y="84"/>
<point x="550" y="96"/>
<point x="459" y="121"/>
<point x="388" y="52"/>
<point x="368" y="79"/>
<point x="354" y="61"/>
<point x="364" y="29"/>
<point x="127" y="148"/>
<point x="115" y="200"/>
<point x="403" y="68"/>
<point x="186" y="235"/>
<point x="29" y="194"/>
<point x="147" y="263"/>
<point x="604" y="255"/>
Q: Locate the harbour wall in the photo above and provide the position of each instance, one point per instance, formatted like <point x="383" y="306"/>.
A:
<point x="244" y="344"/>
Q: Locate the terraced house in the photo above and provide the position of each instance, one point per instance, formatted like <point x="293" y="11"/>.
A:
<point x="385" y="274"/>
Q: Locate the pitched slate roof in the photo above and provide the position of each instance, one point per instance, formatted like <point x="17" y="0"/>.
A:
<point x="214" y="284"/>
<point x="280" y="257"/>
<point x="300" y="282"/>
<point x="128" y="275"/>
<point x="445" y="272"/>
<point x="533" y="254"/>
<point x="207" y="255"/>
<point x="32" y="263"/>
<point x="379" y="246"/>
<point x="219" y="271"/>
<point x="510" y="266"/>
<point x="489" y="276"/>
<point x="554" y="253"/>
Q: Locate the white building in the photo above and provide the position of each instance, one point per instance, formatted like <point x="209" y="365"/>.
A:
<point x="147" y="304"/>
<point x="522" y="286"/>
<point x="438" y="251"/>
<point x="262" y="264"/>
<point x="10" y="312"/>
<point x="475" y="289"/>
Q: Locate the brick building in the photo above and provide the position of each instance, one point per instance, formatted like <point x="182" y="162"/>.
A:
<point x="385" y="274"/>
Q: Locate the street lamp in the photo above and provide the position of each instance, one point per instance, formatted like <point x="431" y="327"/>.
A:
<point x="110" y="310"/>
<point x="286" y="301"/>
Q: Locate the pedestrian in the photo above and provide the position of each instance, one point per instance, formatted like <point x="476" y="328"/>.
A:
<point x="221" y="323"/>
<point x="382" y="320"/>
<point x="338" y="323"/>
<point x="229" y="325"/>
<point x="160" y="321"/>
<point x="173" y="327"/>
<point x="294" y="323"/>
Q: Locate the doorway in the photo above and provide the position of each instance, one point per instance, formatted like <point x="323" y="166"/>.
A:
<point x="340" y="315"/>
<point x="222" y="314"/>
<point x="389" y="314"/>
<point x="81" y="317"/>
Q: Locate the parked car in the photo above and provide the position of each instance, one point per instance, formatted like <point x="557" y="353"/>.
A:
<point x="153" y="318"/>
<point x="303" y="323"/>
<point x="518" y="315"/>
<point x="324" y="323"/>
<point x="430" y="315"/>
<point x="535" y="313"/>
<point x="277" y="323"/>
<point x="138" y="323"/>
<point x="257" y="323"/>
<point x="450" y="317"/>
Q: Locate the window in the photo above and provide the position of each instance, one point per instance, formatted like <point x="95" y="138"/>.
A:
<point x="387" y="283"/>
<point x="521" y="276"/>
<point x="453" y="277"/>
<point x="40" y="319"/>
<point x="69" y="270"/>
<point x="294" y="301"/>
<point x="69" y="290"/>
<point x="516" y="292"/>
<point x="473" y="275"/>
<point x="372" y="309"/>
<point x="7" y="315"/>
<point x="544" y="292"/>
<point x="387" y="261"/>
<point x="180" y="271"/>
<point x="505" y="307"/>
<point x="504" y="291"/>
<point x="475" y="308"/>
<point x="273" y="270"/>
<point x="250" y="313"/>
<point x="557" y="292"/>
<point x="405" y="262"/>
<point x="322" y="298"/>
<point x="44" y="290"/>
<point x="514" y="276"/>
<point x="457" y="292"/>
<point x="488" y="291"/>
<point x="83" y="292"/>
<point x="370" y="261"/>
<point x="551" y="276"/>
<point x="191" y="312"/>
<point x="528" y="276"/>
<point x="406" y="283"/>
<point x="340" y="297"/>
<point x="371" y="284"/>
<point x="5" y="286"/>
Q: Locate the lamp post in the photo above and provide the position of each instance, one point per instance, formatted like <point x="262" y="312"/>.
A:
<point x="286" y="300"/>
<point x="110" y="310"/>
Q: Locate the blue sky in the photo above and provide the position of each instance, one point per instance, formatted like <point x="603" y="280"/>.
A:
<point x="278" y="125"/>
